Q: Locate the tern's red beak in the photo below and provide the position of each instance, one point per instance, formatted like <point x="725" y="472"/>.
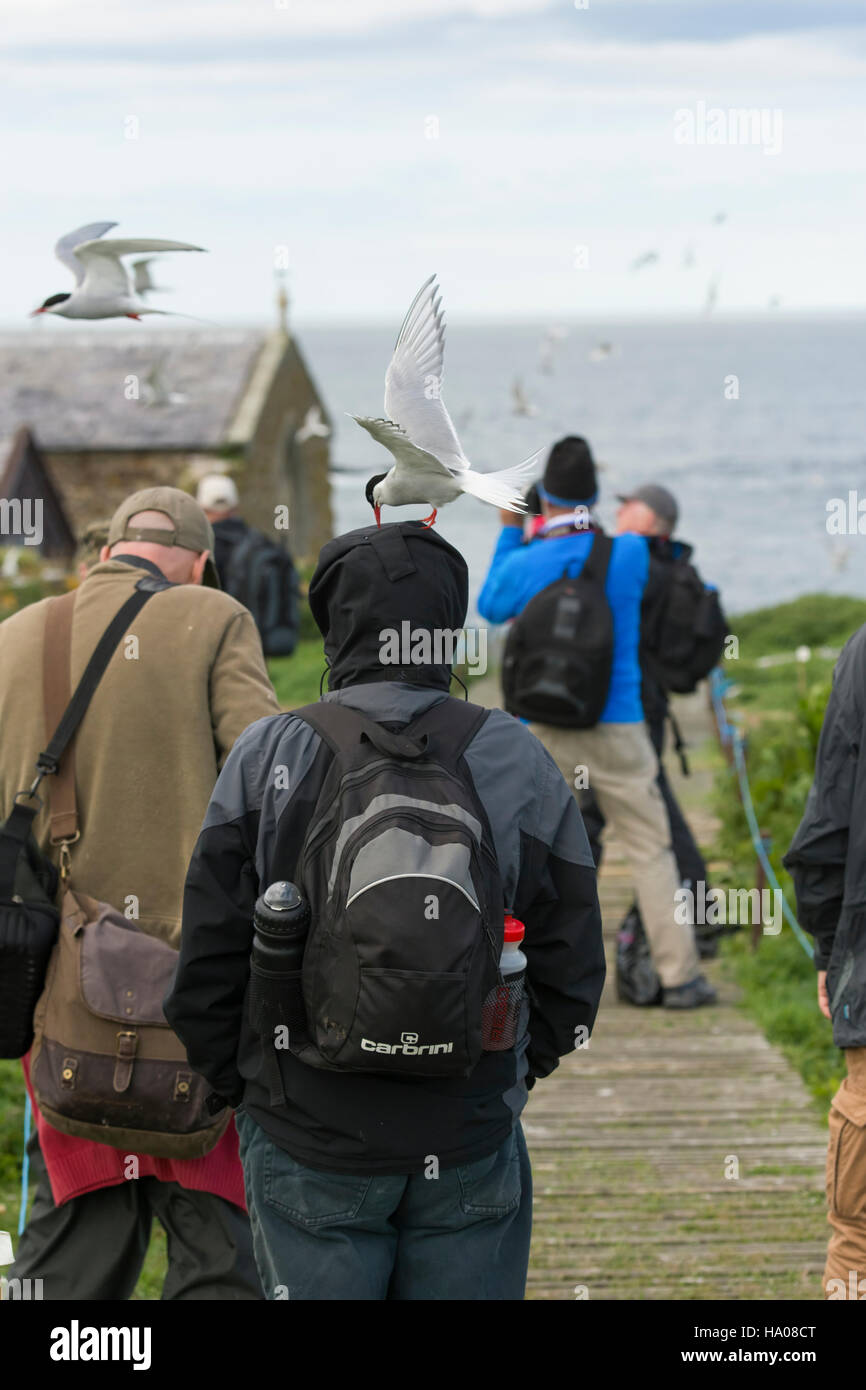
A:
<point x="378" y="514"/>
<point x="37" y="311"/>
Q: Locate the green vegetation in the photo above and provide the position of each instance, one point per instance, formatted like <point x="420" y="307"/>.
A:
<point x="815" y="621"/>
<point x="781" y="711"/>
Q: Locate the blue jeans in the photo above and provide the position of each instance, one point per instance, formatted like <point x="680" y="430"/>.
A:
<point x="462" y="1235"/>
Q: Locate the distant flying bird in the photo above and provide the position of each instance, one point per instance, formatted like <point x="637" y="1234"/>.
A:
<point x="712" y="294"/>
<point x="103" y="289"/>
<point x="521" y="402"/>
<point x="554" y="335"/>
<point x="719" y="218"/>
<point x="142" y="279"/>
<point x="313" y="427"/>
<point x="156" y="391"/>
<point x="601" y="352"/>
<point x="430" y="464"/>
<point x="648" y="258"/>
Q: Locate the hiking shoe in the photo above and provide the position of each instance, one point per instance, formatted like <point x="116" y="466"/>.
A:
<point x="691" y="995"/>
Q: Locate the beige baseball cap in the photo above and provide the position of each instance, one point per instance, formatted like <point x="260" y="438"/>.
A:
<point x="190" y="527"/>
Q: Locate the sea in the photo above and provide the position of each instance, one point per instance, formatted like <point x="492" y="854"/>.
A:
<point x="758" y="427"/>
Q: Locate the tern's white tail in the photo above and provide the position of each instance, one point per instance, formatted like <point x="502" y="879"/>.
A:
<point x="502" y="489"/>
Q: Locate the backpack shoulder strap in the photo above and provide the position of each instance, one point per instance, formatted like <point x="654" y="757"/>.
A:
<point x="342" y="727"/>
<point x="451" y="724"/>
<point x="598" y="560"/>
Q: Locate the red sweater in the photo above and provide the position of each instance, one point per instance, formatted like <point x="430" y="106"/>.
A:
<point x="76" y="1166"/>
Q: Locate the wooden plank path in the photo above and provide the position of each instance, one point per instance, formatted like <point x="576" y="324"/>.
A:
<point x="632" y="1137"/>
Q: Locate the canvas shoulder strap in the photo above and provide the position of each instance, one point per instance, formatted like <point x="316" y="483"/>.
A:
<point x="63" y="714"/>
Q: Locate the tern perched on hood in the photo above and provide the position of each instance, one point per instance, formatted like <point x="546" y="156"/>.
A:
<point x="103" y="289"/>
<point x="430" y="464"/>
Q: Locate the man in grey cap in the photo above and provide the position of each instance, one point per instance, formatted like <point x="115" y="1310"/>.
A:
<point x="652" y="511"/>
<point x="649" y="511"/>
<point x="182" y="685"/>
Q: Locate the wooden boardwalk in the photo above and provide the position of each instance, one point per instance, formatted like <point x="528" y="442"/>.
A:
<point x="633" y="1138"/>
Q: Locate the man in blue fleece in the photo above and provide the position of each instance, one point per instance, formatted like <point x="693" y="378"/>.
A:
<point x="619" y="760"/>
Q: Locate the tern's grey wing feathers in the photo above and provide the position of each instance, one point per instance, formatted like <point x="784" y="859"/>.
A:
<point x="413" y="382"/>
<point x="66" y="246"/>
<point x="105" y="275"/>
<point x="406" y="452"/>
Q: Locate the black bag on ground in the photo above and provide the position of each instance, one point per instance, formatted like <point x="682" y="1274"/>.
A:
<point x="407" y="917"/>
<point x="559" y="654"/>
<point x="260" y="574"/>
<point x="636" y="979"/>
<point x="691" y="632"/>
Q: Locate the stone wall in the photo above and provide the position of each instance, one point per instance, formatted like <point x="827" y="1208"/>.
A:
<point x="92" y="484"/>
<point x="277" y="470"/>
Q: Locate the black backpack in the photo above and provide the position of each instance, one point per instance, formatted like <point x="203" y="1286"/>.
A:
<point x="690" y="632"/>
<point x="559" y="653"/>
<point x="400" y="871"/>
<point x="260" y="575"/>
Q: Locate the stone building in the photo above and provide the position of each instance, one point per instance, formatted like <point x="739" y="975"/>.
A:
<point x="115" y="410"/>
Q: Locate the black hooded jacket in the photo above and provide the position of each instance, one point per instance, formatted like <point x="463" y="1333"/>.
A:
<point x="367" y="582"/>
<point x="827" y="857"/>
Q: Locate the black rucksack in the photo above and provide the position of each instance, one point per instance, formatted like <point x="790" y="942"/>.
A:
<point x="559" y="653"/>
<point x="690" y="631"/>
<point x="260" y="575"/>
<point x="406" y="899"/>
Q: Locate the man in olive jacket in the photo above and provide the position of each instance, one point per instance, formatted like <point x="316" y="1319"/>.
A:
<point x="183" y="683"/>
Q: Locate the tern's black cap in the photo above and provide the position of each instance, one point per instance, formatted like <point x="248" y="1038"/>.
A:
<point x="569" y="477"/>
<point x="374" y="580"/>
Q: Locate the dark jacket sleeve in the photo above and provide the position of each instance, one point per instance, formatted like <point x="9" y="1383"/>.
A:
<point x="205" y="1003"/>
<point x="817" y="857"/>
<point x="557" y="900"/>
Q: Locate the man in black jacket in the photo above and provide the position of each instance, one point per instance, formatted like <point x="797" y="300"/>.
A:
<point x="827" y="861"/>
<point x="363" y="1186"/>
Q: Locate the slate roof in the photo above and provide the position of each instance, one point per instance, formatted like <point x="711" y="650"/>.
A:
<point x="70" y="388"/>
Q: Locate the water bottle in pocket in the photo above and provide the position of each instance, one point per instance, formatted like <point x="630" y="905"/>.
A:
<point x="501" y="1012"/>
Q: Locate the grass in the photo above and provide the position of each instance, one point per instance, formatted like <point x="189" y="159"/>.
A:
<point x="781" y="708"/>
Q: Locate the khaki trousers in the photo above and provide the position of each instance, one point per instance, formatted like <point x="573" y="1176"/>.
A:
<point x="621" y="769"/>
<point x="845" y="1271"/>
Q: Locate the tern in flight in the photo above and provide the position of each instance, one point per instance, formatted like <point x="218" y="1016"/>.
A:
<point x="103" y="289"/>
<point x="430" y="465"/>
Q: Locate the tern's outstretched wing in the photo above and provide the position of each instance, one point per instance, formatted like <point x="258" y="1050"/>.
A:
<point x="67" y="245"/>
<point x="104" y="273"/>
<point x="409" y="457"/>
<point x="413" y="382"/>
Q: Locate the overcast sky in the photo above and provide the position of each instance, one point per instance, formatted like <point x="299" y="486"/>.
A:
<point x="487" y="140"/>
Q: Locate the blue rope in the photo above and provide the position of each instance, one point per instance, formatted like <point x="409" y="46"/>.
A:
<point x="731" y="736"/>
<point x="25" y="1166"/>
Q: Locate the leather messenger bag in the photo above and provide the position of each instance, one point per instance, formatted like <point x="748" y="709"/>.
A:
<point x="105" y="1064"/>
